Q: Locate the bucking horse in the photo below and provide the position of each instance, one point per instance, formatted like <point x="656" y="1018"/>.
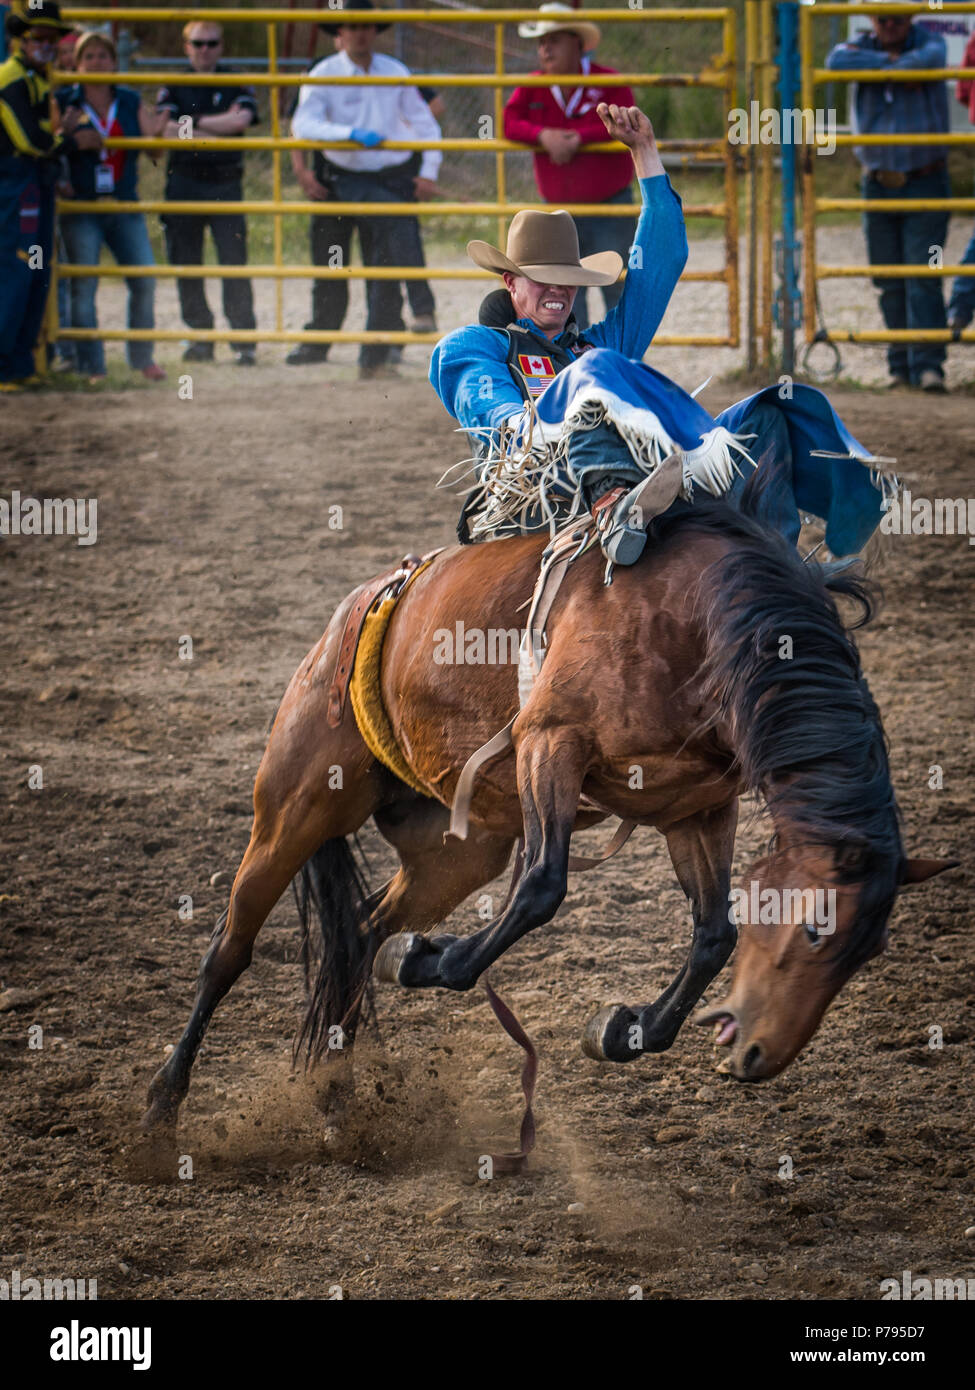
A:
<point x="718" y="665"/>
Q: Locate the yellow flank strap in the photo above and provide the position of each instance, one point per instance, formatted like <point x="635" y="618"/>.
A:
<point x="365" y="692"/>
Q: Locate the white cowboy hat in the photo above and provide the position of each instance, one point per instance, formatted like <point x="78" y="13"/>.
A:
<point x="588" y="33"/>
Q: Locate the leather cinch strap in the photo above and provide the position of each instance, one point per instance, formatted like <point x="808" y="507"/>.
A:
<point x="579" y="863"/>
<point x="514" y="1162"/>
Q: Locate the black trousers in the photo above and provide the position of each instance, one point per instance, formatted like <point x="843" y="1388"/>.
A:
<point x="184" y="246"/>
<point x="382" y="241"/>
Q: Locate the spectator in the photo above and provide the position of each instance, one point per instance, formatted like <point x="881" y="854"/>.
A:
<point x="558" y="122"/>
<point x="61" y="356"/>
<point x="368" y="116"/>
<point x="903" y="172"/>
<point x="65" y="57"/>
<point x="418" y="292"/>
<point x="194" y="175"/>
<point x="30" y="151"/>
<point x="113" y="111"/>
<point x="961" y="306"/>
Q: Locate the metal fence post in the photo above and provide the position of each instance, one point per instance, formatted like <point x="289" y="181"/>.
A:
<point x="788" y="25"/>
<point x="276" y="186"/>
<point x="499" y="129"/>
<point x="751" y="185"/>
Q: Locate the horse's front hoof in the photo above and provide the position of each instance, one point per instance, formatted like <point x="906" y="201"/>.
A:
<point x="612" y="1035"/>
<point x="412" y="960"/>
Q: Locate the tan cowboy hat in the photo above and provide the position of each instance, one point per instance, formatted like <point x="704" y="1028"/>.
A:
<point x="589" y="33"/>
<point x="544" y="246"/>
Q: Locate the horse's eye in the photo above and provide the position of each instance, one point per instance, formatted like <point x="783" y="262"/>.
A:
<point x="852" y="859"/>
<point x="813" y="935"/>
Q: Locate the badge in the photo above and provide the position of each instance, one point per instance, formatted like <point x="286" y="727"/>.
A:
<point x="537" y="371"/>
<point x="104" y="180"/>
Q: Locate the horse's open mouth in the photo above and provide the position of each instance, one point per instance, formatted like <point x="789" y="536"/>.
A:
<point x="725" y="1025"/>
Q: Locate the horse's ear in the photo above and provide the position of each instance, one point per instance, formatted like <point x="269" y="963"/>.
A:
<point x="920" y="870"/>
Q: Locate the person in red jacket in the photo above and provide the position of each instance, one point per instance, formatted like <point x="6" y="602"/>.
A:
<point x="558" y="121"/>
<point x="961" y="306"/>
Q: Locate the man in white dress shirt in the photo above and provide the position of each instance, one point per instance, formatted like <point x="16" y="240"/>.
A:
<point x="368" y="116"/>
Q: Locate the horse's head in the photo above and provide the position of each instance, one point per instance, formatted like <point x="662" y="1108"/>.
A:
<point x="809" y="916"/>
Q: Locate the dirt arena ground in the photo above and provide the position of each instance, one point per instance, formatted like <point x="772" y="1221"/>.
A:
<point x="213" y="524"/>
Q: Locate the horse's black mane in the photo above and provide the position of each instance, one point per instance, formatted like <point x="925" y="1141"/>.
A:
<point x="807" y="732"/>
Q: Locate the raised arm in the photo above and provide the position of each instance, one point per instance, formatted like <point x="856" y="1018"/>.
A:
<point x="659" y="250"/>
<point x="591" y="128"/>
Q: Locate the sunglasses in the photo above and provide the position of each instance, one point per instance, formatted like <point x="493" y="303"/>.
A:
<point x="205" y="43"/>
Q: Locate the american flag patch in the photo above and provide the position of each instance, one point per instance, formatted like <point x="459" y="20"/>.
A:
<point x="538" y="371"/>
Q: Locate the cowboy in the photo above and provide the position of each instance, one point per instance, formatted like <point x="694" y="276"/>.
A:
<point x="484" y="376"/>
<point x="562" y="421"/>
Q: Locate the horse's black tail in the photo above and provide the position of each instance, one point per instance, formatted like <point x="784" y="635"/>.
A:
<point x="338" y="965"/>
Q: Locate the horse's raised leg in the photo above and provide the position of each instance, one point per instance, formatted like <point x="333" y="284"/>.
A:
<point x="551" y="766"/>
<point x="701" y="849"/>
<point x="434" y="876"/>
<point x="295" y="816"/>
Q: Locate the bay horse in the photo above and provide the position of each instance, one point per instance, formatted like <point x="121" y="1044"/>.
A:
<point x="718" y="664"/>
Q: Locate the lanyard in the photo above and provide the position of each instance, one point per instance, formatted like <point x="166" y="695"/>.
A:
<point x="103" y="129"/>
<point x="570" y="107"/>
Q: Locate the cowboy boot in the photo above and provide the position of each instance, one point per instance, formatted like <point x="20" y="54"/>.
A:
<point x="622" y="521"/>
<point x="622" y="499"/>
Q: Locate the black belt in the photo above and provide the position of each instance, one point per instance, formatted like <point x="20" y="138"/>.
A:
<point x="897" y="178"/>
<point x="365" y="173"/>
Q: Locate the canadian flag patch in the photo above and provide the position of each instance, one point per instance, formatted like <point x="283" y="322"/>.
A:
<point x="538" y="372"/>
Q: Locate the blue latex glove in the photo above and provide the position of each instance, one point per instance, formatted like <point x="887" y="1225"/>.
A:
<point x="369" y="138"/>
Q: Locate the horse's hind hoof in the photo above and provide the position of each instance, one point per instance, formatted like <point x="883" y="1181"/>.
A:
<point x="164" y="1100"/>
<point x="391" y="955"/>
<point x="162" y="1116"/>
<point x="613" y="1035"/>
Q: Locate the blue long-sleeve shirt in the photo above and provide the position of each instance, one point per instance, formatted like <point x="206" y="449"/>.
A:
<point x="896" y="108"/>
<point x="469" y="369"/>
